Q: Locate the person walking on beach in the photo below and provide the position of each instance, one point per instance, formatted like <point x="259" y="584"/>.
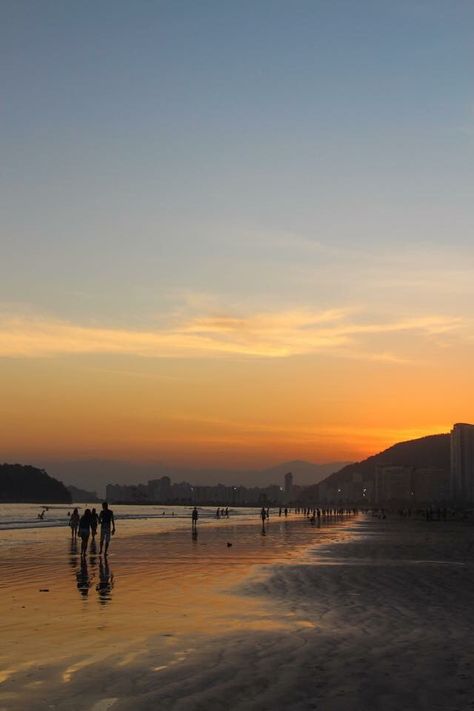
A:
<point x="107" y="527"/>
<point x="84" y="530"/>
<point x="94" y="523"/>
<point x="74" y="523"/>
<point x="263" y="516"/>
<point x="194" y="518"/>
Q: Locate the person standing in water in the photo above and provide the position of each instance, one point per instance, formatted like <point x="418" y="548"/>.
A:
<point x="194" y="518"/>
<point x="107" y="527"/>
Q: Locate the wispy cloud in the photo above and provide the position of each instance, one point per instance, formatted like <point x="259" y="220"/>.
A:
<point x="269" y="335"/>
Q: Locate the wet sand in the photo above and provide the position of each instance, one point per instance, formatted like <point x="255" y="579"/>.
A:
<point x="361" y="614"/>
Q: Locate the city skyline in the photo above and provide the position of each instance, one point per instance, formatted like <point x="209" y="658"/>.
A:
<point x="234" y="234"/>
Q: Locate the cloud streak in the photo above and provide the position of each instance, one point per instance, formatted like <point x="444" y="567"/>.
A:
<point x="276" y="334"/>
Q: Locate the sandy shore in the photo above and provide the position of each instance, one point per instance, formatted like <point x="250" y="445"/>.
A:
<point x="364" y="614"/>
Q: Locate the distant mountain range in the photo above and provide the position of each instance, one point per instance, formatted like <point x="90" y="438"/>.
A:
<point x="94" y="474"/>
<point x="431" y="451"/>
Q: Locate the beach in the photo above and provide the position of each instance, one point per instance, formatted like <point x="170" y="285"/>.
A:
<point x="360" y="613"/>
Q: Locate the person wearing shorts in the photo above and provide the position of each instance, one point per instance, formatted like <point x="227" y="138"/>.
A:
<point x="107" y="527"/>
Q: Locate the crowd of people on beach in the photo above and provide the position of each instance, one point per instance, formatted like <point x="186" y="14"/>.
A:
<point x="86" y="525"/>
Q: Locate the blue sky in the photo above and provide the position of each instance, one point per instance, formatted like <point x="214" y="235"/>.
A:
<point x="142" y="139"/>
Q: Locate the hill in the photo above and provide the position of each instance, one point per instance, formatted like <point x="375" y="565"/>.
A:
<point x="81" y="496"/>
<point x="27" y="484"/>
<point x="431" y="451"/>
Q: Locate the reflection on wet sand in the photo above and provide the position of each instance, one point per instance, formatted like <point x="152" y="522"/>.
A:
<point x="84" y="581"/>
<point x="106" y="581"/>
<point x="89" y="570"/>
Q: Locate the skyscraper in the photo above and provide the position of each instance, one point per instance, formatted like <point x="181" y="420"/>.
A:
<point x="462" y="464"/>
<point x="289" y="483"/>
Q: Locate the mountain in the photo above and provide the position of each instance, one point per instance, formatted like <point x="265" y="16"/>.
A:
<point x="96" y="473"/>
<point x="431" y="451"/>
<point x="27" y="484"/>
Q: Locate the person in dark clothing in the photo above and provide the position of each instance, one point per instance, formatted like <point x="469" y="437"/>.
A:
<point x="107" y="527"/>
<point x="84" y="531"/>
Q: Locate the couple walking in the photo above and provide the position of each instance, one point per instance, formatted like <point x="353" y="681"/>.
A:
<point x="88" y="522"/>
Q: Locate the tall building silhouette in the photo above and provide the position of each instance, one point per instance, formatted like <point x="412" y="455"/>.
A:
<point x="462" y="464"/>
<point x="289" y="483"/>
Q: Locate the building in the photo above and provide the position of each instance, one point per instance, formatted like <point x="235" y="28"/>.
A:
<point x="394" y="486"/>
<point x="288" y="487"/>
<point x="431" y="486"/>
<point x="462" y="464"/>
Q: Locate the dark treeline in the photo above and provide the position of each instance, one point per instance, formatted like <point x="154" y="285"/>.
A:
<point x="27" y="484"/>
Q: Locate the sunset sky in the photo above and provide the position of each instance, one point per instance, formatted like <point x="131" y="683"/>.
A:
<point x="234" y="232"/>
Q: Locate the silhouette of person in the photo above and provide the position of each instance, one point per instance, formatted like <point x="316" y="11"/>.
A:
<point x="74" y="523"/>
<point x="84" y="530"/>
<point x="263" y="516"/>
<point x="94" y="522"/>
<point x="107" y="527"/>
<point x="194" y="518"/>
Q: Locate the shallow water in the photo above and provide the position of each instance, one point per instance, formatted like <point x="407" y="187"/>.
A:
<point x="26" y="516"/>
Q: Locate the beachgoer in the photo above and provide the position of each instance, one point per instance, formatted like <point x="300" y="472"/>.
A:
<point x="194" y="517"/>
<point x="74" y="522"/>
<point x="84" y="530"/>
<point x="94" y="522"/>
<point x="107" y="527"/>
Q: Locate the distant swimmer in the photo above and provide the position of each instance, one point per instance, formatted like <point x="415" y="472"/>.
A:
<point x="107" y="527"/>
<point x="84" y="530"/>
<point x="74" y="523"/>
<point x="194" y="518"/>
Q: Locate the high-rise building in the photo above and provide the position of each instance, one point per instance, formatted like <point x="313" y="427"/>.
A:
<point x="462" y="464"/>
<point x="288" y="483"/>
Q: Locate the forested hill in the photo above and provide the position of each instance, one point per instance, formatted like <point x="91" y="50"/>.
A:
<point x="27" y="484"/>
<point x="431" y="451"/>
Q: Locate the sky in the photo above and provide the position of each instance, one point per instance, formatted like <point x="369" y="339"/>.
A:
<point x="234" y="233"/>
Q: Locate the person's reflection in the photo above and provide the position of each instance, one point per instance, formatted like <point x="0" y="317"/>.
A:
<point x="106" y="581"/>
<point x="84" y="582"/>
<point x="93" y="553"/>
<point x="194" y="534"/>
<point x="73" y="553"/>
